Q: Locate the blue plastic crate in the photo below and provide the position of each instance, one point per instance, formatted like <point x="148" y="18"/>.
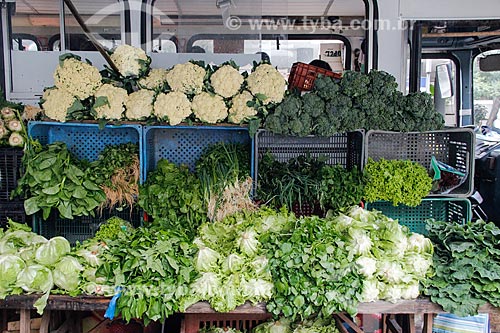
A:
<point x="86" y="140"/>
<point x="185" y="144"/>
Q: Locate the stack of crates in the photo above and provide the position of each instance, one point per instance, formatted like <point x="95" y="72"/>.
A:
<point x="10" y="171"/>
<point x="85" y="141"/>
<point x="454" y="147"/>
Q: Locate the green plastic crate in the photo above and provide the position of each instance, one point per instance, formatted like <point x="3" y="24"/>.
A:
<point x="441" y="209"/>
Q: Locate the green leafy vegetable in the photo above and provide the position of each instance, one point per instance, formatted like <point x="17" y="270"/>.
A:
<point x="466" y="266"/>
<point x="401" y="182"/>
<point x="173" y="197"/>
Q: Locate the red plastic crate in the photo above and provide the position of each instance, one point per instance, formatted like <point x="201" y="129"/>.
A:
<point x="302" y="76"/>
<point x="193" y="322"/>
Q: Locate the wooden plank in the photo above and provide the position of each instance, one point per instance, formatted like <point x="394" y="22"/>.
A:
<point x="428" y="321"/>
<point x="393" y="326"/>
<point x="204" y="307"/>
<point x="44" y="325"/>
<point x="15" y="325"/>
<point x="25" y="321"/>
<point x="349" y="322"/>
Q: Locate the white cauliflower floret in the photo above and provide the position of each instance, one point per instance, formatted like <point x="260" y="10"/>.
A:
<point x="240" y="111"/>
<point x="56" y="103"/>
<point x="174" y="105"/>
<point x="139" y="104"/>
<point x="116" y="97"/>
<point x="266" y="80"/>
<point x="130" y="61"/>
<point x="155" y="79"/>
<point x="226" y="81"/>
<point x="208" y="108"/>
<point x="186" y="78"/>
<point x="77" y="78"/>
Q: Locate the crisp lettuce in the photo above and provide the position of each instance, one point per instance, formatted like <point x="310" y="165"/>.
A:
<point x="66" y="273"/>
<point x="50" y="252"/>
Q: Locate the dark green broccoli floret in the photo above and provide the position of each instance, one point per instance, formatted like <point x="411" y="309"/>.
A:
<point x="313" y="105"/>
<point x="326" y="87"/>
<point x="354" y="83"/>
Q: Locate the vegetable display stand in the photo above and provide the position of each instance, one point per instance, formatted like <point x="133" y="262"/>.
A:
<point x="81" y="228"/>
<point x="185" y="144"/>
<point x="302" y="76"/>
<point x="86" y="140"/>
<point x="344" y="149"/>
<point x="12" y="210"/>
<point x="441" y="209"/>
<point x="244" y="318"/>
<point x="454" y="147"/>
<point x="10" y="166"/>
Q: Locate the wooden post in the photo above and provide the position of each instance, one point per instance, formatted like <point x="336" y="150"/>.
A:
<point x="44" y="328"/>
<point x="25" y="321"/>
<point x="428" y="318"/>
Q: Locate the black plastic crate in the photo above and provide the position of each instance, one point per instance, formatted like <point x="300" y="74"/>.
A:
<point x="454" y="147"/>
<point x="10" y="171"/>
<point x="344" y="149"/>
<point x="81" y="228"/>
<point x="14" y="211"/>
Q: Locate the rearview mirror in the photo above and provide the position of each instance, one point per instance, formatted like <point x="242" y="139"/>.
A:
<point x="490" y="63"/>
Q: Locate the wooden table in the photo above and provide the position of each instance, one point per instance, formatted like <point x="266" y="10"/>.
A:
<point x="420" y="310"/>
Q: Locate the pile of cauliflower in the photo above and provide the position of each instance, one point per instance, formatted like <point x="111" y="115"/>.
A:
<point x="134" y="91"/>
<point x="12" y="132"/>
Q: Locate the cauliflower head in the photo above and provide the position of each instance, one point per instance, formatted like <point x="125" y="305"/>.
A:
<point x="186" y="78"/>
<point x="240" y="111"/>
<point x="174" y="105"/>
<point x="266" y="80"/>
<point x="77" y="78"/>
<point x="209" y="109"/>
<point x="139" y="104"/>
<point x="155" y="79"/>
<point x="56" y="103"/>
<point x="226" y="81"/>
<point x="116" y="102"/>
<point x="130" y="61"/>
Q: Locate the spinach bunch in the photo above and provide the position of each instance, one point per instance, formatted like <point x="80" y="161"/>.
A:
<point x="154" y="266"/>
<point x="312" y="269"/>
<point x="466" y="264"/>
<point x="173" y="197"/>
<point x="54" y="178"/>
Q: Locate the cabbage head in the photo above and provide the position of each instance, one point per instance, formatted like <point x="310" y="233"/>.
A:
<point x="10" y="266"/>
<point x="49" y="253"/>
<point x="66" y="273"/>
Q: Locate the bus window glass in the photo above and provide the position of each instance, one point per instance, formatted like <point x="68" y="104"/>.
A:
<point x="33" y="24"/>
<point x="103" y="19"/>
<point x="446" y="104"/>
<point x="486" y="94"/>
<point x="164" y="44"/>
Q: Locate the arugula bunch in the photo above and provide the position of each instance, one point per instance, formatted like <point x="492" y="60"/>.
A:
<point x="466" y="266"/>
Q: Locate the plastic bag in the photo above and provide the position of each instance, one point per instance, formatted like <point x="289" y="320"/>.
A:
<point x="445" y="177"/>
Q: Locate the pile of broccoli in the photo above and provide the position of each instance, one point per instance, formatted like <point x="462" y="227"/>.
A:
<point x="369" y="101"/>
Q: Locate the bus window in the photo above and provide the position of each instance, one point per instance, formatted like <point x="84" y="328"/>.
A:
<point x="25" y="42"/>
<point x="486" y="94"/>
<point x="446" y="104"/>
<point x="103" y="20"/>
<point x="33" y="24"/>
<point x="164" y="44"/>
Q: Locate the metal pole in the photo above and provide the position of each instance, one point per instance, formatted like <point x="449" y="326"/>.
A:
<point x="94" y="41"/>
